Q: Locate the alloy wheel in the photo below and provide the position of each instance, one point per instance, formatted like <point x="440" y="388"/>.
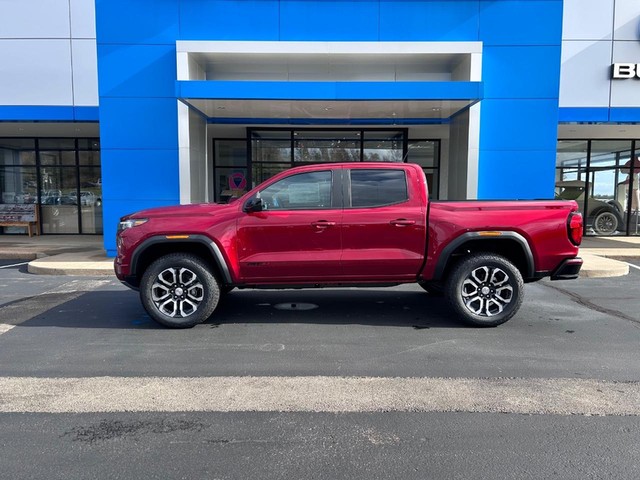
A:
<point x="487" y="291"/>
<point x="177" y="292"/>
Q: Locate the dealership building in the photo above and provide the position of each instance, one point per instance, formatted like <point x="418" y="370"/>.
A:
<point x="112" y="106"/>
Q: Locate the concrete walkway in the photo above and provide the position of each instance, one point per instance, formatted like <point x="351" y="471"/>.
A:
<point x="84" y="255"/>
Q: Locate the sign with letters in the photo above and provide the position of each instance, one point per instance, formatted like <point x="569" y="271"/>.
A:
<point x="625" y="70"/>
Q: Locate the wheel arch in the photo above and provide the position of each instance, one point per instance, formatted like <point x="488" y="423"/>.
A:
<point x="199" y="245"/>
<point x="511" y="245"/>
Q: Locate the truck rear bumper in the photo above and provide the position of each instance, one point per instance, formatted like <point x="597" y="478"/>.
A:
<point x="569" y="269"/>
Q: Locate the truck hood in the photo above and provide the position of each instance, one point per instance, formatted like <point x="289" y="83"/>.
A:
<point x="195" y="209"/>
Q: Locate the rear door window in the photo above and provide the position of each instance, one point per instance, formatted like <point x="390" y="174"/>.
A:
<point x="375" y="188"/>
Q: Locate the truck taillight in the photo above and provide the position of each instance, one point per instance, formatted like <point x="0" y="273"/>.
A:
<point x="575" y="228"/>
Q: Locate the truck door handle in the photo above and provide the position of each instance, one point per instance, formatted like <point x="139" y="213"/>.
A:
<point x="323" y="224"/>
<point x="402" y="222"/>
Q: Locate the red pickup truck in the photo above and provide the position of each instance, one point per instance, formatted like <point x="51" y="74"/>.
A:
<point x="350" y="224"/>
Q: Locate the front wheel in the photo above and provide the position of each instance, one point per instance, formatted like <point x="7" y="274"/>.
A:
<point x="179" y="291"/>
<point x="485" y="290"/>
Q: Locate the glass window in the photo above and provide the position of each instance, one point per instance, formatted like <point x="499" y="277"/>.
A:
<point x="90" y="199"/>
<point x="89" y="158"/>
<point x="303" y="191"/>
<point x="18" y="185"/>
<point x="69" y="181"/>
<point x="17" y="157"/>
<point x="372" y="188"/>
<point x="230" y="153"/>
<point x="54" y="158"/>
<point x="271" y="150"/>
<point x="88" y="144"/>
<point x="323" y="146"/>
<point x="423" y="152"/>
<point x="263" y="171"/>
<point x="57" y="143"/>
<point x="230" y="183"/>
<point x="382" y="151"/>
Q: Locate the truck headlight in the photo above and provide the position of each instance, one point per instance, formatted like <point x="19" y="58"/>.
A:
<point x="132" y="222"/>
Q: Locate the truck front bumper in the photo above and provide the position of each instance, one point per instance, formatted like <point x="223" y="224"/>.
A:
<point x="569" y="269"/>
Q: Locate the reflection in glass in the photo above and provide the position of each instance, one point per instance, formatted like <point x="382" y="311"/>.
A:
<point x="271" y="150"/>
<point x="423" y="153"/>
<point x="18" y="185"/>
<point x="90" y="199"/>
<point x="262" y="171"/>
<point x="595" y="182"/>
<point x="230" y="183"/>
<point x="230" y="153"/>
<point x="326" y="151"/>
<point x="57" y="158"/>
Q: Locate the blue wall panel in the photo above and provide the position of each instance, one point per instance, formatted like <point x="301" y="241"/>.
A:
<point x="521" y="72"/>
<point x="521" y="22"/>
<point x="229" y="20"/>
<point x="408" y="20"/>
<point x="151" y="70"/>
<point x="145" y="179"/>
<point x="137" y="22"/>
<point x="138" y="123"/>
<point x="518" y="124"/>
<point x="335" y="20"/>
<point x="517" y="174"/>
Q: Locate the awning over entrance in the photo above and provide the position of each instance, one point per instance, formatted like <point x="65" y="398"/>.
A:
<point x="225" y="104"/>
<point x="350" y="82"/>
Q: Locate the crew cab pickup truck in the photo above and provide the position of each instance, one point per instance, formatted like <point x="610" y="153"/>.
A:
<point x="350" y="224"/>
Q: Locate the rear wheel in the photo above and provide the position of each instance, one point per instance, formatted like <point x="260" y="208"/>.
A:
<point x="485" y="290"/>
<point x="179" y="291"/>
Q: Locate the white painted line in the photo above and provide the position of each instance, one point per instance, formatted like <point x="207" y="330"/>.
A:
<point x="21" y="311"/>
<point x="14" y="265"/>
<point x="560" y="396"/>
<point x="633" y="266"/>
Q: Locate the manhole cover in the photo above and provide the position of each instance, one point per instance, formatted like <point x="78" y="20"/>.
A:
<point x="295" y="306"/>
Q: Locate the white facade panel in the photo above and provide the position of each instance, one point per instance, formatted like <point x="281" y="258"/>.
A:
<point x="585" y="74"/>
<point x="626" y="92"/>
<point x="34" y="19"/>
<point x="627" y="20"/>
<point x="83" y="18"/>
<point x="35" y="72"/>
<point x="85" y="72"/>
<point x="588" y="20"/>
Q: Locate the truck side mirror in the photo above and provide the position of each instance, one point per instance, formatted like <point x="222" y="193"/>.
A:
<point x="253" y="205"/>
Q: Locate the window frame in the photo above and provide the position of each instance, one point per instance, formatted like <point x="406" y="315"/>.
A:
<point x="336" y="202"/>
<point x="348" y="194"/>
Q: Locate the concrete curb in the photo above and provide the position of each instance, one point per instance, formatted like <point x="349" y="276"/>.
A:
<point x="600" y="267"/>
<point x="82" y="264"/>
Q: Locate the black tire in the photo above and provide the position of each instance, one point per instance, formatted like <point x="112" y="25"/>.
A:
<point x="435" y="289"/>
<point x="179" y="291"/>
<point x="606" y="222"/>
<point x="485" y="289"/>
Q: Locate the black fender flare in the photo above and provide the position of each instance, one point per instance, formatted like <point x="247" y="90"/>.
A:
<point x="471" y="236"/>
<point x="216" y="253"/>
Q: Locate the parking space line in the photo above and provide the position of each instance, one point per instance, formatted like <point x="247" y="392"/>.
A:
<point x="14" y="265"/>
<point x="633" y="266"/>
<point x="18" y="312"/>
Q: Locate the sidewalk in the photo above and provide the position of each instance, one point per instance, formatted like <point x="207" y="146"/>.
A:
<point x="84" y="255"/>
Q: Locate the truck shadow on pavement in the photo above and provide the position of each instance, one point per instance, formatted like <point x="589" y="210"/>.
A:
<point x="375" y="307"/>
